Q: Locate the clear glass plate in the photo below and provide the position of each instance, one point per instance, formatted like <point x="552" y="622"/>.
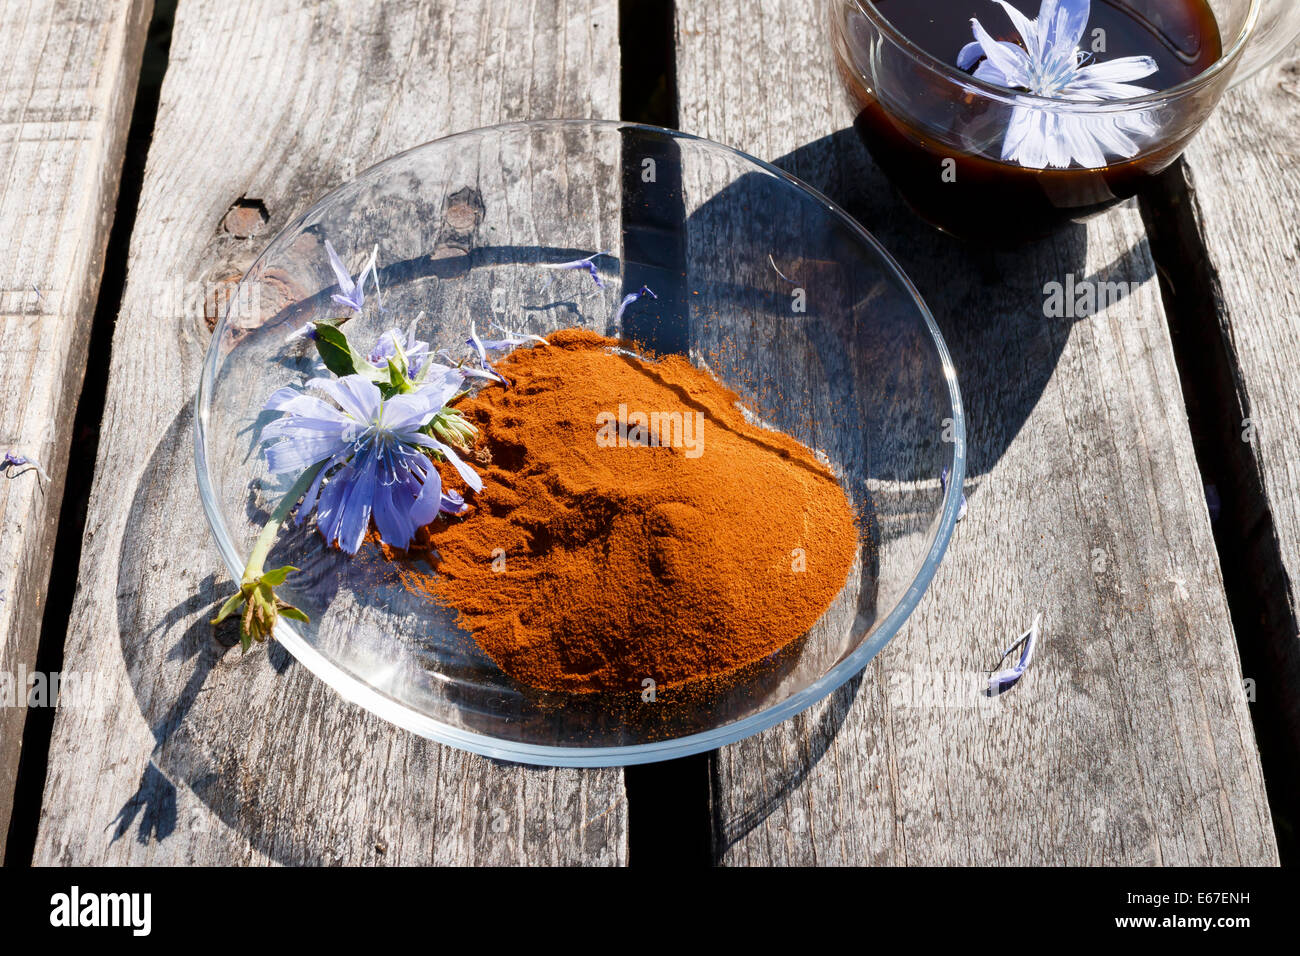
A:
<point x="778" y="292"/>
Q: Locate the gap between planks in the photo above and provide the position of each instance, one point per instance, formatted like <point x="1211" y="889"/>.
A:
<point x="69" y="464"/>
<point x="1245" y="533"/>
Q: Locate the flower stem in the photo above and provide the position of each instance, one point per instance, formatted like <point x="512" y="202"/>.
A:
<point x="256" y="559"/>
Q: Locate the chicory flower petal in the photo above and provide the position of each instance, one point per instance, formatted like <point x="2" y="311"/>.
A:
<point x="352" y="293"/>
<point x="588" y="264"/>
<point x="632" y="297"/>
<point x="15" y="461"/>
<point x="1004" y="680"/>
<point x="943" y="486"/>
<point x="481" y="350"/>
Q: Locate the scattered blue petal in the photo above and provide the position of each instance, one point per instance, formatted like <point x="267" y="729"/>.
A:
<point x="352" y="293"/>
<point x="772" y="263"/>
<point x="480" y="348"/>
<point x="1004" y="680"/>
<point x="511" y="340"/>
<point x="1213" y="502"/>
<point x="306" y="333"/>
<point x="16" y="463"/>
<point x="632" y="297"/>
<point x="943" y="485"/>
<point x="588" y="264"/>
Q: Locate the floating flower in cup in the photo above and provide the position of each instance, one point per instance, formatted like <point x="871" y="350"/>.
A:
<point x="1051" y="64"/>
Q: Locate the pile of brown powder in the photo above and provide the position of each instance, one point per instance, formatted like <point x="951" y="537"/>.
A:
<point x="591" y="561"/>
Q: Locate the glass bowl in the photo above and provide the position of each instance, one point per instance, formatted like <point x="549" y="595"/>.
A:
<point x="938" y="133"/>
<point x="774" y="289"/>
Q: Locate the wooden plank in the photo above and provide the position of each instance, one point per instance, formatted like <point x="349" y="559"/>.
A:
<point x="1130" y="739"/>
<point x="198" y="756"/>
<point x="1237" y="199"/>
<point x="65" y="105"/>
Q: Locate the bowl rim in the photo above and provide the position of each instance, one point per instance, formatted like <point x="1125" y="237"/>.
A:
<point x="355" y="689"/>
<point x="1226" y="62"/>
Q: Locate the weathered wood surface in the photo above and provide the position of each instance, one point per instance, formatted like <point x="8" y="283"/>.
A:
<point x="66" y="93"/>
<point x="1129" y="741"/>
<point x="194" y="755"/>
<point x="1242" y="198"/>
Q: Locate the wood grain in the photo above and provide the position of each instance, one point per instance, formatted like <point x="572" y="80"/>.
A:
<point x="1130" y="740"/>
<point x="66" y="93"/>
<point x="1239" y="203"/>
<point x="180" y="762"/>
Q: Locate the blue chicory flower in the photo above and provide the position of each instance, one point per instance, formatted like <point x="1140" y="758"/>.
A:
<point x="632" y="297"/>
<point x="352" y="293"/>
<point x="375" y="456"/>
<point x="1051" y="64"/>
<point x="1004" y="680"/>
<point x="392" y="342"/>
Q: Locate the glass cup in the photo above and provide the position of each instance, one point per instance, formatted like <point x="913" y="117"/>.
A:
<point x="938" y="132"/>
<point x="1278" y="28"/>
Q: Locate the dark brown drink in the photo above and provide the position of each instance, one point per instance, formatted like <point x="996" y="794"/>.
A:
<point x="974" y="193"/>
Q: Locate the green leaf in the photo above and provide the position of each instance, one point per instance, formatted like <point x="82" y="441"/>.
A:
<point x="335" y="350"/>
<point x="398" y="380"/>
<point x="341" y="358"/>
<point x="229" y="607"/>
<point x="276" y="577"/>
<point x="294" y="613"/>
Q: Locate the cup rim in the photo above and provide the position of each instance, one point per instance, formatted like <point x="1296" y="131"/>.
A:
<point x="1225" y="63"/>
